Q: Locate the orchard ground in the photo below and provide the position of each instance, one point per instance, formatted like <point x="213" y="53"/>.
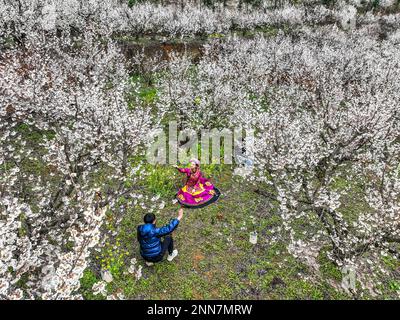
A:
<point x="216" y="259"/>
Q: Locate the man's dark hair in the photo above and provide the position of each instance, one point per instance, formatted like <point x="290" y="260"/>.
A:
<point x="149" y="218"/>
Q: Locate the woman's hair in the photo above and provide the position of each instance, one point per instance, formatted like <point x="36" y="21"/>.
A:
<point x="195" y="161"/>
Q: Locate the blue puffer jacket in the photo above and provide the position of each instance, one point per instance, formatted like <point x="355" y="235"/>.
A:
<point x="149" y="237"/>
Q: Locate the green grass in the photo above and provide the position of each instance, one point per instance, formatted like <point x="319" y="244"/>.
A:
<point x="216" y="259"/>
<point x="33" y="134"/>
<point x="160" y="180"/>
<point x="392" y="263"/>
<point x="87" y="281"/>
<point x="328" y="269"/>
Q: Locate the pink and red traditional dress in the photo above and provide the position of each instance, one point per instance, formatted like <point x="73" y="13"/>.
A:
<point x="198" y="191"/>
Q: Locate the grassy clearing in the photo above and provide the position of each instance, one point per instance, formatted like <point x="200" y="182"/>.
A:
<point x="216" y="259"/>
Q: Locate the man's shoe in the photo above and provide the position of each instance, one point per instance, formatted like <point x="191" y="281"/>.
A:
<point x="172" y="255"/>
<point x="149" y="264"/>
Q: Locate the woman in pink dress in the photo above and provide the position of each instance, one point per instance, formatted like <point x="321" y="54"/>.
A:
<point x="198" y="191"/>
